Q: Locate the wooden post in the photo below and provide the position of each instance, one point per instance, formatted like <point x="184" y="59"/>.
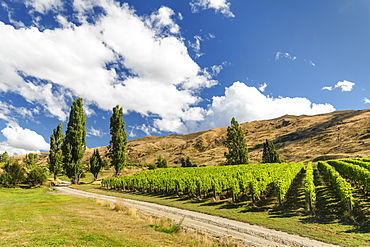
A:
<point x="233" y="194"/>
<point x="350" y="206"/>
<point x="279" y="197"/>
<point x="310" y="201"/>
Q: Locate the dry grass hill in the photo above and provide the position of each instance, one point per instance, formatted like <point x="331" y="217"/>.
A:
<point x="341" y="134"/>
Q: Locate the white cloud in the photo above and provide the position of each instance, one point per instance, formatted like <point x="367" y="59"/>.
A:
<point x="222" y="6"/>
<point x="43" y="6"/>
<point x="6" y="147"/>
<point x="196" y="46"/>
<point x="160" y="79"/>
<point x="366" y="101"/>
<point x="10" y="15"/>
<point x="95" y="132"/>
<point x="19" y="140"/>
<point x="286" y="55"/>
<point x="262" y="87"/>
<point x="49" y="67"/>
<point x="23" y="139"/>
<point x="346" y="86"/>
<point x="9" y="112"/>
<point x="248" y="104"/>
<point x="162" y="19"/>
<point x="327" y="88"/>
<point x="147" y="129"/>
<point x="309" y="62"/>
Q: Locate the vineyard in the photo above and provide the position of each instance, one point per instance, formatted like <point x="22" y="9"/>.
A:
<point x="252" y="182"/>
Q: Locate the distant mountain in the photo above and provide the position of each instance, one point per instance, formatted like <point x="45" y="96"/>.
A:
<point x="340" y="134"/>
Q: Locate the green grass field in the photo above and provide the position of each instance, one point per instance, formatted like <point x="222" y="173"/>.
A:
<point x="35" y="217"/>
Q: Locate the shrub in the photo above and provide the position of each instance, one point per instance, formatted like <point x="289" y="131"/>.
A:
<point x="152" y="166"/>
<point x="161" y="162"/>
<point x="16" y="173"/>
<point x="37" y="176"/>
<point x="6" y="180"/>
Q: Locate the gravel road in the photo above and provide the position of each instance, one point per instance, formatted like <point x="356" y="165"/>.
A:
<point x="250" y="235"/>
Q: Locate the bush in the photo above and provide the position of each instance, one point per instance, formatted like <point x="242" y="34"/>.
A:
<point x="37" y="176"/>
<point x="152" y="166"/>
<point x="161" y="162"/>
<point x="16" y="173"/>
<point x="6" y="180"/>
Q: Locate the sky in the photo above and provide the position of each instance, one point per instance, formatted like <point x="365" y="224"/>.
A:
<point x="176" y="67"/>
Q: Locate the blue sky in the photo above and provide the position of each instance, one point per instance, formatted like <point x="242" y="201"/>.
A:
<point x="176" y="67"/>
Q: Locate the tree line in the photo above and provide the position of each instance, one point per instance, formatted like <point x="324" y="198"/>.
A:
<point x="67" y="150"/>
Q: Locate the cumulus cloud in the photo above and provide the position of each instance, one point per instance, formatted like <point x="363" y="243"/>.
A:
<point x="366" y="101"/>
<point x="23" y="140"/>
<point x="147" y="70"/>
<point x="247" y="103"/>
<point x="162" y="19"/>
<point x="346" y="86"/>
<point x="222" y="6"/>
<point x="19" y="140"/>
<point x="138" y="62"/>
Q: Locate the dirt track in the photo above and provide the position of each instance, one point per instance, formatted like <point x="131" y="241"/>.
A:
<point x="250" y="235"/>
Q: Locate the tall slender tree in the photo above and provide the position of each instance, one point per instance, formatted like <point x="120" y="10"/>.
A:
<point x="74" y="143"/>
<point x="118" y="143"/>
<point x="56" y="153"/>
<point x="96" y="163"/>
<point x="235" y="142"/>
<point x="269" y="154"/>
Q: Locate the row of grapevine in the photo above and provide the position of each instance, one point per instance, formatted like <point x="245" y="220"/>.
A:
<point x="309" y="186"/>
<point x="356" y="173"/>
<point x="283" y="183"/>
<point x="341" y="186"/>
<point x="360" y="162"/>
<point x="198" y="181"/>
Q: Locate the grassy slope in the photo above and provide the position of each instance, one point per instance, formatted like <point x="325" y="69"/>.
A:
<point x="35" y="218"/>
<point x="341" y="134"/>
<point x="330" y="224"/>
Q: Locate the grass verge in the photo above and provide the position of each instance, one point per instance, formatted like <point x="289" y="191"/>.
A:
<point x="34" y="217"/>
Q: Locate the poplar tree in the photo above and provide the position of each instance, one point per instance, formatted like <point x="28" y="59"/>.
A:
<point x="74" y="143"/>
<point x="56" y="153"/>
<point x="269" y="154"/>
<point x="96" y="163"/>
<point x="235" y="142"/>
<point x="118" y="142"/>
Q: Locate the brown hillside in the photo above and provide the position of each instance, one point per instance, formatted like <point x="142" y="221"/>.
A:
<point x="341" y="134"/>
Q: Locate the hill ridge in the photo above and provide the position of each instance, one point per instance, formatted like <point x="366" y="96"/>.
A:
<point x="339" y="134"/>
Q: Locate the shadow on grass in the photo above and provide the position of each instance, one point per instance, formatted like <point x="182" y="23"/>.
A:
<point x="294" y="202"/>
<point x="329" y="208"/>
